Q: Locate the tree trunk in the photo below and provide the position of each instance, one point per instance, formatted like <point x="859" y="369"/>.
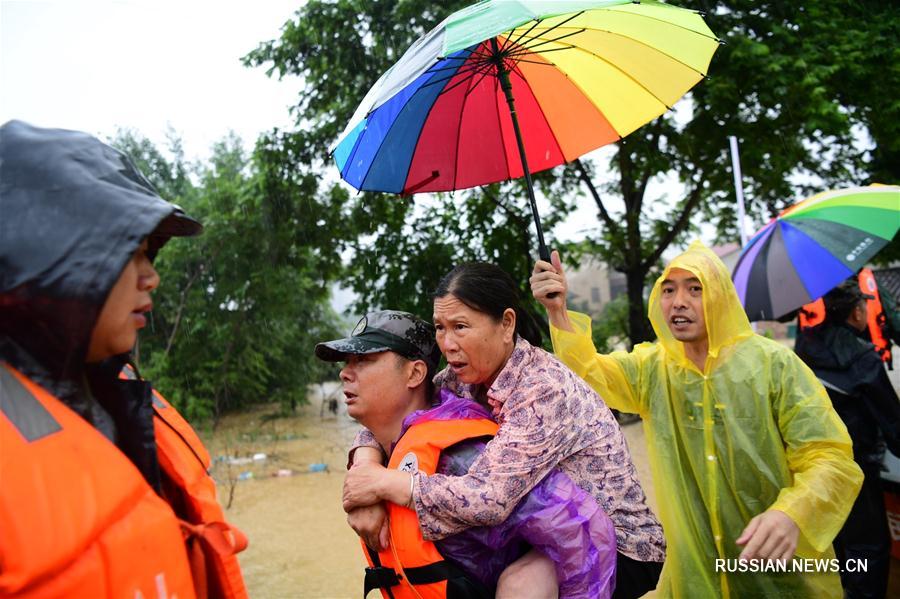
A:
<point x="639" y="328"/>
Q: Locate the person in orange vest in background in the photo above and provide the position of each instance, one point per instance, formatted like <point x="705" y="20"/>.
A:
<point x="103" y="486"/>
<point x="881" y="315"/>
<point x="864" y="398"/>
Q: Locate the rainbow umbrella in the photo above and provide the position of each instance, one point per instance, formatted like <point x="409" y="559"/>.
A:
<point x="812" y="246"/>
<point x="573" y="76"/>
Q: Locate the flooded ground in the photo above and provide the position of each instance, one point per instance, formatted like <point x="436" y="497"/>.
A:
<point x="289" y="502"/>
<point x="300" y="544"/>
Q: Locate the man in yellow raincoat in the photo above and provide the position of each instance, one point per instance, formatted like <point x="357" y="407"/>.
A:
<point x="750" y="462"/>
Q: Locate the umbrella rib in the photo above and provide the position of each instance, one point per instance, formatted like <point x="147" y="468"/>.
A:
<point x="500" y="128"/>
<point x="626" y="73"/>
<point x="473" y="69"/>
<point x="484" y="74"/>
<point x="546" y="120"/>
<point x="470" y="71"/>
<point x="548" y="41"/>
<point x="393" y="124"/>
<point x="537" y="62"/>
<point x="462" y="111"/>
<point x="642" y="43"/>
<point x="557" y="26"/>
<point x="483" y="55"/>
<point x="349" y="163"/>
<point x="671" y="24"/>
<point x="526" y="51"/>
<point x="469" y="77"/>
<point x="436" y="69"/>
<point x="515" y="42"/>
<point x="514" y="56"/>
<point x="502" y="47"/>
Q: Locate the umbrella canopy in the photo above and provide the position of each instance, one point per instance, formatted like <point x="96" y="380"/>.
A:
<point x="575" y="74"/>
<point x="812" y="246"/>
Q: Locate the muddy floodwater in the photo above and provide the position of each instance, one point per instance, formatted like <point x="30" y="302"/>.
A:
<point x="288" y="503"/>
<point x="283" y="476"/>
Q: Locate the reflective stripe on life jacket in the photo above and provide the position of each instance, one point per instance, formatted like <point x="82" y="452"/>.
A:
<point x="412" y="568"/>
<point x="212" y="543"/>
<point x="77" y="519"/>
<point x="876" y="317"/>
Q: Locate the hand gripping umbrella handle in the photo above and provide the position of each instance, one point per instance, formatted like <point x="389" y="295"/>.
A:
<point x="544" y="255"/>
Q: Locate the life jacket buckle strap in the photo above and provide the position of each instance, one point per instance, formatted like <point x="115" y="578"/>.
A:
<point x="379" y="577"/>
<point x="222" y="538"/>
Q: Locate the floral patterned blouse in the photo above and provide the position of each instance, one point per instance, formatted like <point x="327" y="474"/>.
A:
<point x="549" y="418"/>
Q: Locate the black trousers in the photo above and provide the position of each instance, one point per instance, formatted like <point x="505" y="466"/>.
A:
<point x="633" y="578"/>
<point x="865" y="536"/>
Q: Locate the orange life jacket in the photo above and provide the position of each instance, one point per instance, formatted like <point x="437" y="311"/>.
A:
<point x="77" y="519"/>
<point x="876" y="316"/>
<point x="212" y="544"/>
<point x="814" y="313"/>
<point x="411" y="567"/>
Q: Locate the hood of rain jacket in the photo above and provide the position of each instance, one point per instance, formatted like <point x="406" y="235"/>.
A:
<point x="726" y="321"/>
<point x="74" y="210"/>
<point x="840" y="351"/>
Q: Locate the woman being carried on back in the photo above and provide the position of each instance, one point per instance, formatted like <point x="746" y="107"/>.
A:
<point x="549" y="418"/>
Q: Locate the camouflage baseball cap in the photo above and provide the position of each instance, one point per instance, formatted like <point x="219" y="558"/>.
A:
<point x="386" y="330"/>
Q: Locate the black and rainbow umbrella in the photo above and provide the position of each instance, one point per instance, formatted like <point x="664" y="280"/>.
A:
<point x="812" y="246"/>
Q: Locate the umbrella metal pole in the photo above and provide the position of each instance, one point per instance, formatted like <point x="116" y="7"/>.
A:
<point x="506" y="86"/>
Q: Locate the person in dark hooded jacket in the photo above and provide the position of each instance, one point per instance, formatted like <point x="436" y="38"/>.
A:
<point x="103" y="486"/>
<point x="857" y="383"/>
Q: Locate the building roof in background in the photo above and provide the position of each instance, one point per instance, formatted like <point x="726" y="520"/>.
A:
<point x="725" y="249"/>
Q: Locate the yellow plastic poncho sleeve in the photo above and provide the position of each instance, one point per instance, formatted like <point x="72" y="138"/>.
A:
<point x="613" y="376"/>
<point x="754" y="430"/>
<point x="819" y="454"/>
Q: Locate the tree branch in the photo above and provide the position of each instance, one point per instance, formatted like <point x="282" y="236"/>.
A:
<point x="645" y="176"/>
<point x="513" y="214"/>
<point x="607" y="219"/>
<point x="181" y="303"/>
<point x="183" y="300"/>
<point x="680" y="223"/>
<point x="626" y="183"/>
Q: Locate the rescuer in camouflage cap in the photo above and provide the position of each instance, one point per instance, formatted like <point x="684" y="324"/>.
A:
<point x="386" y="330"/>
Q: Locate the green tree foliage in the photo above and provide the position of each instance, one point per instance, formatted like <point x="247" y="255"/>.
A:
<point x="240" y="307"/>
<point x="798" y="83"/>
<point x="807" y="87"/>
<point x="611" y="328"/>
